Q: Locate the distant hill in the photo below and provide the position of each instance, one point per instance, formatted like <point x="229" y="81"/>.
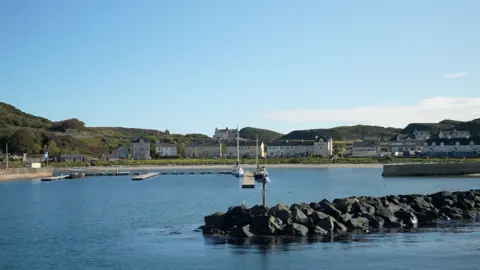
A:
<point x="263" y="134"/>
<point x="343" y="133"/>
<point x="472" y="126"/>
<point x="434" y="128"/>
<point x="71" y="135"/>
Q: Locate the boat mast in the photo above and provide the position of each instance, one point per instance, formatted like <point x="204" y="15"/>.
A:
<point x="238" y="148"/>
<point x="256" y="150"/>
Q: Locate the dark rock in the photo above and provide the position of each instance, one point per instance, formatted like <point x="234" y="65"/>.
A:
<point x="344" y="218"/>
<point x="395" y="224"/>
<point x="376" y="222"/>
<point x="362" y="209"/>
<point x="326" y="223"/>
<point x="469" y="214"/>
<point x="320" y="231"/>
<point x="282" y="212"/>
<point x="314" y="205"/>
<point x="258" y="210"/>
<point x="432" y="212"/>
<point x="305" y="208"/>
<point x="422" y="217"/>
<point x="295" y="229"/>
<point x="208" y="230"/>
<point x="386" y="214"/>
<point x="318" y="215"/>
<point x="237" y="216"/>
<point x="298" y="216"/>
<point x="359" y="223"/>
<point x="465" y="204"/>
<point x="439" y="198"/>
<point x="419" y="204"/>
<point x="455" y="216"/>
<point x="408" y="218"/>
<point x="241" y="232"/>
<point x="393" y="199"/>
<point x="344" y="205"/>
<point x="329" y="209"/>
<point x="450" y="210"/>
<point x="339" y="227"/>
<point x="215" y="220"/>
<point x="264" y="225"/>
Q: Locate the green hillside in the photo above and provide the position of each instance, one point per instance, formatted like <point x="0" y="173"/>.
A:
<point x="263" y="134"/>
<point x="343" y="133"/>
<point x="434" y="128"/>
<point x="13" y="117"/>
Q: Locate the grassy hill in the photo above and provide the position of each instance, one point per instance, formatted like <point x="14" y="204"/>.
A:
<point x="34" y="135"/>
<point x="263" y="134"/>
<point x="343" y="133"/>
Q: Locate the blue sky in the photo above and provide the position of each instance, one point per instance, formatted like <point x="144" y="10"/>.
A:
<point x="191" y="66"/>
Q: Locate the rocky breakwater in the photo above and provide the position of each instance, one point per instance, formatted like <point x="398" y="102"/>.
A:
<point x="344" y="215"/>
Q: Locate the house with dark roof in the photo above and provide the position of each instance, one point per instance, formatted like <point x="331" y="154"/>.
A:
<point x="141" y="148"/>
<point x="163" y="149"/>
<point x="365" y="149"/>
<point x="453" y="147"/>
<point x="72" y="158"/>
<point x="289" y="148"/>
<point x="454" y="134"/>
<point x="204" y="149"/>
<point x="225" y="134"/>
<point x="418" y="135"/>
<point x="110" y="157"/>
<point x="247" y="149"/>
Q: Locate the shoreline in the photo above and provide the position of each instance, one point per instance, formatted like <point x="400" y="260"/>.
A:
<point x="25" y="176"/>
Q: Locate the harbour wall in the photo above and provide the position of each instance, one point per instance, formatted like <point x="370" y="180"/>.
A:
<point x="25" y="173"/>
<point x="431" y="169"/>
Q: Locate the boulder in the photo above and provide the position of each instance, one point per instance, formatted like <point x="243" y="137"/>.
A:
<point x="258" y="210"/>
<point x="264" y="225"/>
<point x="376" y="222"/>
<point x="339" y="227"/>
<point x="209" y="230"/>
<point x="237" y="216"/>
<point x="469" y="214"/>
<point x="344" y="205"/>
<point x="443" y="198"/>
<point x="419" y="204"/>
<point x="295" y="229"/>
<point x="318" y="215"/>
<point x="408" y="218"/>
<point x="215" y="220"/>
<point x="447" y="210"/>
<point x="320" y="231"/>
<point x="305" y="208"/>
<point x="329" y="209"/>
<point x="362" y="209"/>
<point x="326" y="223"/>
<point x="282" y="212"/>
<point x="241" y="232"/>
<point x="359" y="223"/>
<point x="344" y="218"/>
<point x="298" y="216"/>
<point x="465" y="204"/>
<point x="385" y="213"/>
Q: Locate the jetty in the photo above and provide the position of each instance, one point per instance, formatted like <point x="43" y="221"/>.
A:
<point x="248" y="180"/>
<point x="342" y="216"/>
<point x="430" y="169"/>
<point x="145" y="176"/>
<point x="55" y="178"/>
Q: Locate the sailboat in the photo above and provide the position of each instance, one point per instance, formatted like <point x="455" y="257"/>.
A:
<point x="237" y="169"/>
<point x="260" y="173"/>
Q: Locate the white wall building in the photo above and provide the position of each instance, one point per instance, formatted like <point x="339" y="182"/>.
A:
<point x="204" y="150"/>
<point x="365" y="149"/>
<point x="416" y="135"/>
<point x="246" y="149"/>
<point x="286" y="148"/>
<point x="454" y="134"/>
<point x="323" y="146"/>
<point x="457" y="147"/>
<point x="166" y="149"/>
<point x="141" y="149"/>
<point x="225" y="134"/>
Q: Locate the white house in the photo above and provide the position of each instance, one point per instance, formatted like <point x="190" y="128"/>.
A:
<point x="166" y="149"/>
<point x="455" y="147"/>
<point x="286" y="148"/>
<point x="225" y="134"/>
<point x="365" y="149"/>
<point x="454" y="134"/>
<point x="210" y="149"/>
<point x="110" y="157"/>
<point x="323" y="146"/>
<point x="246" y="149"/>
<point x="141" y="149"/>
<point x="416" y="135"/>
<point x="389" y="147"/>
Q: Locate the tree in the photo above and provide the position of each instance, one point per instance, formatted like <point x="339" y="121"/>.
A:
<point x="167" y="132"/>
<point x="339" y="148"/>
<point x="52" y="148"/>
<point x="182" y="149"/>
<point x="22" y="141"/>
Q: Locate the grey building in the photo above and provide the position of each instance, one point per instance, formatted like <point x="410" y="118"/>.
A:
<point x="141" y="149"/>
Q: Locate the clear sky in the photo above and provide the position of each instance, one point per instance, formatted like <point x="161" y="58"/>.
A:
<point x="191" y="66"/>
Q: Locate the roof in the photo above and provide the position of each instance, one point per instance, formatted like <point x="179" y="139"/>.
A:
<point x="204" y="144"/>
<point x="110" y="155"/>
<point x="242" y="143"/>
<point x="322" y="138"/>
<point x="290" y="143"/>
<point x="138" y="140"/>
<point x="163" y="144"/>
<point x="405" y="136"/>
<point x="453" y="141"/>
<point x="72" y="156"/>
<point x="365" y="144"/>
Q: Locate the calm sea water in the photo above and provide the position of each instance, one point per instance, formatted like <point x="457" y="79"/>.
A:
<point x="116" y="223"/>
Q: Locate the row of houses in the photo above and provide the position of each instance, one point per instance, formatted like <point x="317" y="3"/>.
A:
<point x="441" y="147"/>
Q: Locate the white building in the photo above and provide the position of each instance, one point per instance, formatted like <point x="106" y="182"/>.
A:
<point x="141" y="149"/>
<point x="454" y="134"/>
<point x="365" y="149"/>
<point x="33" y="165"/>
<point x="416" y="135"/>
<point x="286" y="148"/>
<point x="323" y="146"/>
<point x="204" y="150"/>
<point x="457" y="147"/>
<point x="166" y="149"/>
<point x="225" y="134"/>
<point x="246" y="149"/>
